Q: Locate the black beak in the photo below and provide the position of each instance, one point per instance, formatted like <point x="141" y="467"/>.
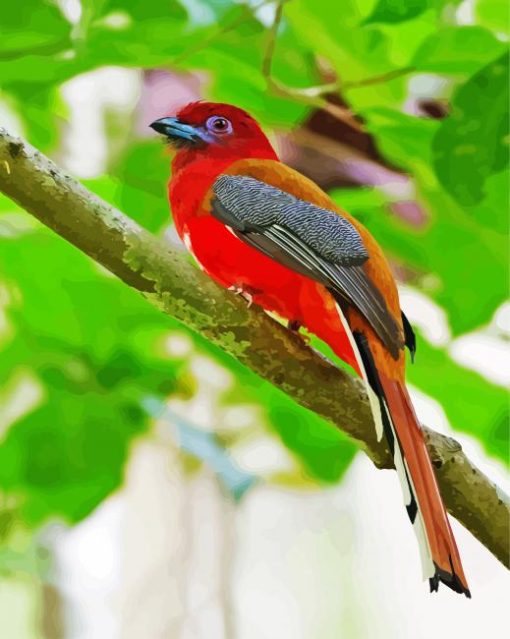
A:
<point x="176" y="131"/>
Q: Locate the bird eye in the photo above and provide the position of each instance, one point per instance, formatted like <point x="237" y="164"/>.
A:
<point x="217" y="124"/>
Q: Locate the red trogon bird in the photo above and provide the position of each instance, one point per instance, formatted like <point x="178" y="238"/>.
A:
<point x="257" y="226"/>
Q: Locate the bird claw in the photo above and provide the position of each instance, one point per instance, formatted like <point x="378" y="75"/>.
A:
<point x="294" y="326"/>
<point x="239" y="290"/>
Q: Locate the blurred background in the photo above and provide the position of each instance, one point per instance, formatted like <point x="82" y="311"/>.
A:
<point x="149" y="485"/>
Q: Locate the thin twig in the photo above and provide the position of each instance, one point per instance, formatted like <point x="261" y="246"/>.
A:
<point x="376" y="79"/>
<point x="313" y="96"/>
<point x="272" y="35"/>
<point x="316" y="96"/>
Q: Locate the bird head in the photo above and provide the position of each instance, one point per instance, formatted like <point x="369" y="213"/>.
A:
<point x="212" y="130"/>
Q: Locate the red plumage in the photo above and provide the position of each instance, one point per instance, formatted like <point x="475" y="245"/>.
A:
<point x="236" y="145"/>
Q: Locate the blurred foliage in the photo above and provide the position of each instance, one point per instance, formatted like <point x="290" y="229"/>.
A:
<point x="468" y="148"/>
<point x="391" y="11"/>
<point x="206" y="447"/>
<point x="87" y="353"/>
<point x="85" y="344"/>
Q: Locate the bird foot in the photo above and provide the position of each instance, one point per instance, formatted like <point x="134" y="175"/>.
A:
<point x="294" y="326"/>
<point x="239" y="290"/>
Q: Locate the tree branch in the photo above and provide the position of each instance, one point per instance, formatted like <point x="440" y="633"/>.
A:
<point x="377" y="79"/>
<point x="166" y="278"/>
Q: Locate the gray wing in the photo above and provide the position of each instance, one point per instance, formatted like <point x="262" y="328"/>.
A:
<point x="313" y="241"/>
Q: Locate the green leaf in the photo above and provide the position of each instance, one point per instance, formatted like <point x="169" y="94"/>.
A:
<point x="403" y="139"/>
<point x="137" y="184"/>
<point x="142" y="9"/>
<point x="444" y="246"/>
<point x="93" y="346"/>
<point x="459" y="50"/>
<point x="41" y="110"/>
<point x="148" y="43"/>
<point x="359" y="53"/>
<point x="494" y="14"/>
<point x="458" y="282"/>
<point x="492" y="213"/>
<point x="30" y="69"/>
<point x="65" y="457"/>
<point x="472" y="404"/>
<point x="394" y="11"/>
<point x="472" y="143"/>
<point x="149" y="34"/>
<point x="32" y="26"/>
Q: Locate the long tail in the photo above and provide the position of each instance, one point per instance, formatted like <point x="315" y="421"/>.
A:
<point x="426" y="509"/>
<point x="395" y="418"/>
